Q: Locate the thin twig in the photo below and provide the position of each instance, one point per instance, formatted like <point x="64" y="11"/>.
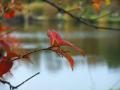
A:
<point x="8" y="83"/>
<point x="35" y="51"/>
<point x="15" y="87"/>
<point x="80" y="19"/>
<point x="23" y="56"/>
<point x="27" y="80"/>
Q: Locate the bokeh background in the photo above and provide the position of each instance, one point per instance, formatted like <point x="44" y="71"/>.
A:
<point x="99" y="70"/>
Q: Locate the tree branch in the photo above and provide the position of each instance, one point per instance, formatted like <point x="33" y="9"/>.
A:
<point x="79" y="19"/>
<point x="26" y="54"/>
<point x="23" y="56"/>
<point x="15" y="87"/>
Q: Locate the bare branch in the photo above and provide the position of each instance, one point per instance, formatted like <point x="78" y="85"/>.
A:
<point x="15" y="87"/>
<point x="79" y="19"/>
<point x="35" y="51"/>
<point x="27" y="80"/>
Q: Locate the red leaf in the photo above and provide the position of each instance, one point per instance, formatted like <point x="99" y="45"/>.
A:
<point x="9" y="14"/>
<point x="5" y="66"/>
<point x="55" y="38"/>
<point x="13" y="42"/>
<point x="56" y="43"/>
<point x="52" y="37"/>
<point x="10" y="54"/>
<point x="70" y="60"/>
<point x="6" y="62"/>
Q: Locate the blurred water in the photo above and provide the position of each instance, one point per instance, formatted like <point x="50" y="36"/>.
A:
<point x="100" y="70"/>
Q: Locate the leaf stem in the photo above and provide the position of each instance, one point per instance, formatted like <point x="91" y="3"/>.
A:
<point x="35" y="51"/>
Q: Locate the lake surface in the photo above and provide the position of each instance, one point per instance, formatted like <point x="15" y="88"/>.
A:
<point x="99" y="70"/>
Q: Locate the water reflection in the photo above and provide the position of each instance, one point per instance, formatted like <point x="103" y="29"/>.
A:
<point x="98" y="71"/>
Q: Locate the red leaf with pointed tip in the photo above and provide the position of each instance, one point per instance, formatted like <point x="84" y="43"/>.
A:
<point x="55" y="37"/>
<point x="5" y="66"/>
<point x="70" y="60"/>
<point x="56" y="43"/>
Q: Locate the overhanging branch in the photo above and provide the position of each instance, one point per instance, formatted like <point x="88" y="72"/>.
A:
<point x="15" y="87"/>
<point x="79" y="19"/>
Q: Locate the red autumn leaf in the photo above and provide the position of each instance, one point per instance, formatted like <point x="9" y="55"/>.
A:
<point x="13" y="42"/>
<point x="70" y="59"/>
<point x="10" y="14"/>
<point x="10" y="45"/>
<point x="5" y="66"/>
<point x="6" y="62"/>
<point x="55" y="39"/>
<point x="56" y="43"/>
<point x="52" y="37"/>
<point x="10" y="54"/>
